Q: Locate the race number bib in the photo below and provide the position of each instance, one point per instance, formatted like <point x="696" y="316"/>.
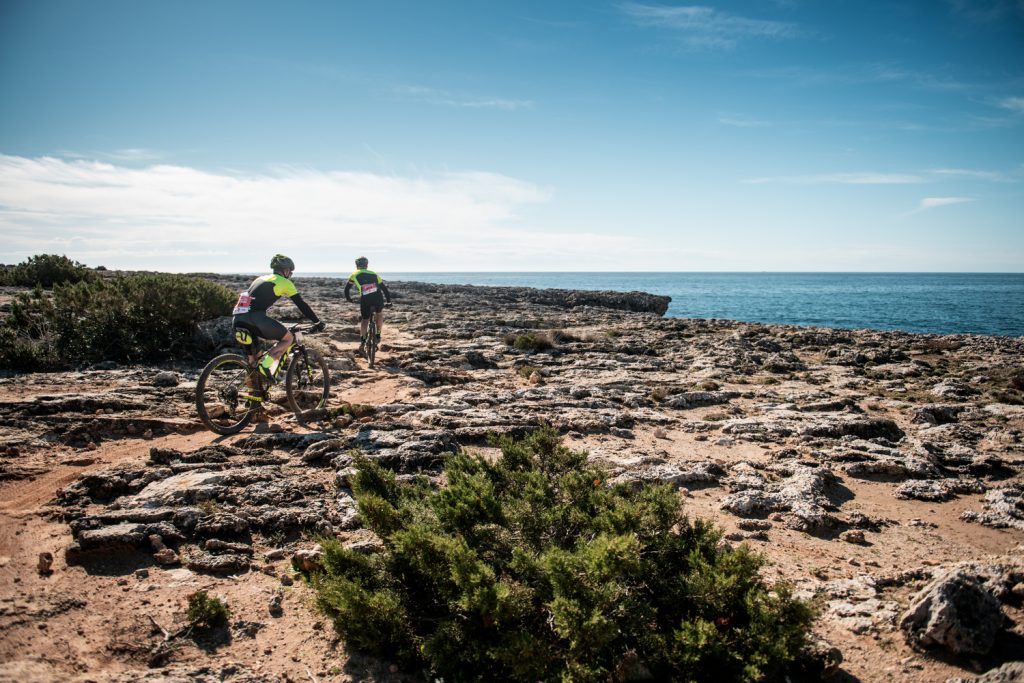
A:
<point x="243" y="305"/>
<point x="369" y="288"/>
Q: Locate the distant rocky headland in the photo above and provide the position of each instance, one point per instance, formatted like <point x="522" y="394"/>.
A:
<point x="881" y="473"/>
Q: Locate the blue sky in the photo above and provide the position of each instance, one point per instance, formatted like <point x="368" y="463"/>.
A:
<point x="433" y="136"/>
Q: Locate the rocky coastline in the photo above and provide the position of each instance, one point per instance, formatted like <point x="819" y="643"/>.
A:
<point x="882" y="474"/>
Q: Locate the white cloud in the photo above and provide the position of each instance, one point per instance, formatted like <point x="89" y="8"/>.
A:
<point x="876" y="178"/>
<point x="707" y="27"/>
<point x="974" y="174"/>
<point x="987" y="11"/>
<point x="868" y="178"/>
<point x="1014" y="104"/>
<point x="741" y="121"/>
<point x="448" y="99"/>
<point x="935" y="202"/>
<point x="133" y="154"/>
<point x="177" y="217"/>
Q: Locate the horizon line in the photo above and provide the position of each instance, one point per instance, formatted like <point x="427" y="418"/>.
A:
<point x="671" y="272"/>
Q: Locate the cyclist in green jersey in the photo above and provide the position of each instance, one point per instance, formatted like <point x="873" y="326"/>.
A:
<point x="251" y="320"/>
<point x="371" y="287"/>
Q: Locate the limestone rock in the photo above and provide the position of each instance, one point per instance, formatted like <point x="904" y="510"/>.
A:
<point x="166" y="379"/>
<point x="228" y="563"/>
<point x="1004" y="507"/>
<point x="1010" y="672"/>
<point x="308" y="560"/>
<point x="954" y="612"/>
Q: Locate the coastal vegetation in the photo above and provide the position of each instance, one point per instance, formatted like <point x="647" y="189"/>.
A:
<point x="122" y="318"/>
<point x="45" y="270"/>
<point x="206" y="612"/>
<point x="533" y="567"/>
<point x="530" y="342"/>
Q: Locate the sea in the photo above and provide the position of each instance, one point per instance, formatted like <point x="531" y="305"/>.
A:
<point x="936" y="303"/>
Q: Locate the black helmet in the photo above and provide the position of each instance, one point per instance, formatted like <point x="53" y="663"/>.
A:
<point x="362" y="262"/>
<point x="280" y="263"/>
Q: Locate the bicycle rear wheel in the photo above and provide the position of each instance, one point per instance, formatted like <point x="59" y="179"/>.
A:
<point x="371" y="343"/>
<point x="228" y="394"/>
<point x="307" y="385"/>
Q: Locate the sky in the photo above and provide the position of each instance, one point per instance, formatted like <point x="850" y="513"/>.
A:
<point x="767" y="135"/>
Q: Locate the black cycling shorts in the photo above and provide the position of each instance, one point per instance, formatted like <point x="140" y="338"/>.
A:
<point x="368" y="305"/>
<point x="260" y="325"/>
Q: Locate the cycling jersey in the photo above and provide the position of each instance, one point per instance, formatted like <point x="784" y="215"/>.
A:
<point x="264" y="293"/>
<point x="369" y="285"/>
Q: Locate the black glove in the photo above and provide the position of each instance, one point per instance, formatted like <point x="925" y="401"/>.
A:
<point x="318" y="327"/>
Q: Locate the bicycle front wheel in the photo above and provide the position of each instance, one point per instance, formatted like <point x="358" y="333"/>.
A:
<point x="228" y="394"/>
<point x="307" y="384"/>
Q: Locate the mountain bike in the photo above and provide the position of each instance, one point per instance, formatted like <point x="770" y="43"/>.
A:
<point x="373" y="336"/>
<point x="231" y="391"/>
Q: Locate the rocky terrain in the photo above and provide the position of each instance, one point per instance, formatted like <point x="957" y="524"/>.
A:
<point x="881" y="473"/>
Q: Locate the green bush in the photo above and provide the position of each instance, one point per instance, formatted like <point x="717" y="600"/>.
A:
<point x="355" y="410"/>
<point x="563" y="337"/>
<point x="533" y="568"/>
<point x="20" y="352"/>
<point x="206" y="612"/>
<point x="1017" y="379"/>
<point x="129" y="318"/>
<point x="527" y="370"/>
<point x="532" y="342"/>
<point x="46" y="270"/>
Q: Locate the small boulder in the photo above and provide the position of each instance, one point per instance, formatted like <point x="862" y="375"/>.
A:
<point x="276" y="610"/>
<point x="308" y="560"/>
<point x="165" y="557"/>
<point x="166" y="379"/>
<point x="954" y="612"/>
<point x="855" y="536"/>
<point x="228" y="563"/>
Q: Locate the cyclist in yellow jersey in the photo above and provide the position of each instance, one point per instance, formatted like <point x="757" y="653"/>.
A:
<point x="371" y="287"/>
<point x="250" y="314"/>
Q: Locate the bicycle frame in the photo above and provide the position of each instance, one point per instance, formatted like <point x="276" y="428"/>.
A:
<point x="246" y="390"/>
<point x="287" y="357"/>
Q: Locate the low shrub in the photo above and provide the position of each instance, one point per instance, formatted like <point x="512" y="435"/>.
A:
<point x="527" y="370"/>
<point x="1017" y="379"/>
<point x="206" y="612"/>
<point x="355" y="410"/>
<point x="563" y="337"/>
<point x="20" y="352"/>
<point x="128" y="319"/>
<point x="532" y="342"/>
<point x="938" y="345"/>
<point x="1012" y="398"/>
<point x="659" y="394"/>
<point x="534" y="568"/>
<point x="208" y="507"/>
<point x="46" y="270"/>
